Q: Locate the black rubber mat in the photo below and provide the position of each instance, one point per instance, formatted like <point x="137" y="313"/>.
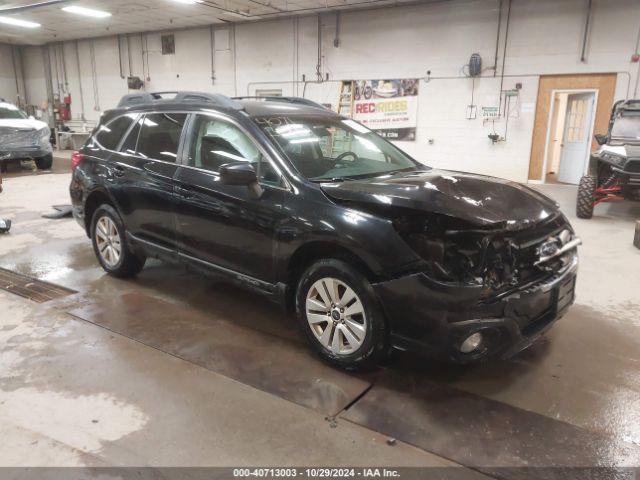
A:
<point x="31" y="288"/>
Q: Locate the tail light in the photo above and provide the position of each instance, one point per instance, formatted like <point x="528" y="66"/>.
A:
<point x="76" y="160"/>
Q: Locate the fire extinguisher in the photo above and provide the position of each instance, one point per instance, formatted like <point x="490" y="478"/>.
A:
<point x="65" y="108"/>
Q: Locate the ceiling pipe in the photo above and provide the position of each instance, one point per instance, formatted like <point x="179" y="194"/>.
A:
<point x="583" y="55"/>
<point x="79" y="71"/>
<point x="504" y="54"/>
<point x="212" y="45"/>
<point x="354" y="6"/>
<point x="495" y="58"/>
<point x="361" y="6"/>
<point x="119" y="37"/>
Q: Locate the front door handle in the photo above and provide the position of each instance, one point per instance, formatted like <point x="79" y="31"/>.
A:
<point x="184" y="192"/>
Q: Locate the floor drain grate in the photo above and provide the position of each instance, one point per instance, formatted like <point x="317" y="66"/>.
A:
<point x="31" y="288"/>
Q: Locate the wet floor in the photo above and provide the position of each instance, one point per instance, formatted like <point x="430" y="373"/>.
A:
<point x="579" y="387"/>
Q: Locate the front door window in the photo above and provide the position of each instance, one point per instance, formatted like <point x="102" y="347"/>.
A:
<point x="217" y="142"/>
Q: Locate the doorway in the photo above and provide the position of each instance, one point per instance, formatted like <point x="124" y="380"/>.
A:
<point x="603" y="84"/>
<point x="569" y="135"/>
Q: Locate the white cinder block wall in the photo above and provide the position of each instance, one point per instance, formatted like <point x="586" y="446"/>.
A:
<point x="545" y="37"/>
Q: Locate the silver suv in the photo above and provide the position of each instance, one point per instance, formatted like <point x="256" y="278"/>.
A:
<point x="23" y="137"/>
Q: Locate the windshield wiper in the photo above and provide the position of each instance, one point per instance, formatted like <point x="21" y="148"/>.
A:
<point x="329" y="179"/>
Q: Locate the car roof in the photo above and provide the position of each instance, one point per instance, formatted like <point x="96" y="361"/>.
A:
<point x="199" y="101"/>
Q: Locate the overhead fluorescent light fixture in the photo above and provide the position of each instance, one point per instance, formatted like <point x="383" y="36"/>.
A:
<point x="87" y="12"/>
<point x="18" y="23"/>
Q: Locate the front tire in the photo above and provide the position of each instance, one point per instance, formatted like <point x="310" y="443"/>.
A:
<point x="586" y="196"/>
<point x="340" y="315"/>
<point x="110" y="246"/>
<point x="44" y="163"/>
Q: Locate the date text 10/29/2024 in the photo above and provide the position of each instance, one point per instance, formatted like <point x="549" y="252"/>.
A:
<point x="315" y="473"/>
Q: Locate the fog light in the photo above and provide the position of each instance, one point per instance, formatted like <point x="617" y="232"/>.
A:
<point x="471" y="343"/>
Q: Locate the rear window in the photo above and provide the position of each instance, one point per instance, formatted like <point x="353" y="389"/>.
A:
<point x="109" y="135"/>
<point x="160" y="136"/>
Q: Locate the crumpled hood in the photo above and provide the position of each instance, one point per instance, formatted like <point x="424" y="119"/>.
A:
<point x="26" y="124"/>
<point x="477" y="199"/>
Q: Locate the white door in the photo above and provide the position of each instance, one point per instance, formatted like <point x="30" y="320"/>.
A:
<point x="576" y="141"/>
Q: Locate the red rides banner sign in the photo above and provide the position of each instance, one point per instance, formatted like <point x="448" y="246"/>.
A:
<point x="390" y="107"/>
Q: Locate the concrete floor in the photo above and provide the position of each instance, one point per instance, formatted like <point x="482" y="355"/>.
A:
<point x="75" y="393"/>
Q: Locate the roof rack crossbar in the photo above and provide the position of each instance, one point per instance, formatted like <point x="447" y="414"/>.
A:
<point x="143" y="98"/>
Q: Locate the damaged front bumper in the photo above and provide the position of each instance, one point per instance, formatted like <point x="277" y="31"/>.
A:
<point x="24" y="153"/>
<point x="436" y="318"/>
<point x="21" y="145"/>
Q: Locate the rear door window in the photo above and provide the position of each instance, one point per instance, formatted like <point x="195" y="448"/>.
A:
<point x="109" y="135"/>
<point x="160" y="136"/>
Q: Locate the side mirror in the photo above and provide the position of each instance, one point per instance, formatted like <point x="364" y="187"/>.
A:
<point x="240" y="174"/>
<point x="600" y="138"/>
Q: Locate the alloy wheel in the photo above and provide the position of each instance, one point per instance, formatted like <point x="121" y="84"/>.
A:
<point x="108" y="241"/>
<point x="336" y="316"/>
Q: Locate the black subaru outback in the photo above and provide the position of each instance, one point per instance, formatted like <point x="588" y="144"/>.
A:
<point x="372" y="249"/>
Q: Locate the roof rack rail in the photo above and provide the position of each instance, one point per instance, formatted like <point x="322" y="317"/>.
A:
<point x="144" y="98"/>
<point x="296" y="100"/>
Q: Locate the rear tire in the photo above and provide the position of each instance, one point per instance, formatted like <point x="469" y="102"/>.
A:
<point x="362" y="340"/>
<point x="586" y="196"/>
<point x="44" y="163"/>
<point x="110" y="245"/>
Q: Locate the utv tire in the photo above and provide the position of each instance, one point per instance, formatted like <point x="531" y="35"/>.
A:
<point x="354" y="339"/>
<point x="586" y="196"/>
<point x="110" y="245"/>
<point x="44" y="163"/>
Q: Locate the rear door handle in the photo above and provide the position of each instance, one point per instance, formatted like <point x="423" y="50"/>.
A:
<point x="118" y="171"/>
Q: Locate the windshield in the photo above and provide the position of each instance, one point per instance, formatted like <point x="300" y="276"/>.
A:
<point x="331" y="148"/>
<point x="627" y="126"/>
<point x="11" y="112"/>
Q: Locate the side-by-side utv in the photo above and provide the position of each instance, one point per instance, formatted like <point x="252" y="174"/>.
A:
<point x="614" y="169"/>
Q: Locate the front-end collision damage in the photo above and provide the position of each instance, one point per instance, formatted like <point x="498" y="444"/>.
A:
<point x="492" y="259"/>
<point x="454" y="251"/>
<point x="492" y="282"/>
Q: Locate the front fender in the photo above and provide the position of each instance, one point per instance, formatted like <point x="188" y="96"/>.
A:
<point x="371" y="238"/>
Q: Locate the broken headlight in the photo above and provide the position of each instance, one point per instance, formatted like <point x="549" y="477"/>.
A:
<point x="455" y="251"/>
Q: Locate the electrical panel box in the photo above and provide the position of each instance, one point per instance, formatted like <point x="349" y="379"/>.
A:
<point x="168" y="44"/>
